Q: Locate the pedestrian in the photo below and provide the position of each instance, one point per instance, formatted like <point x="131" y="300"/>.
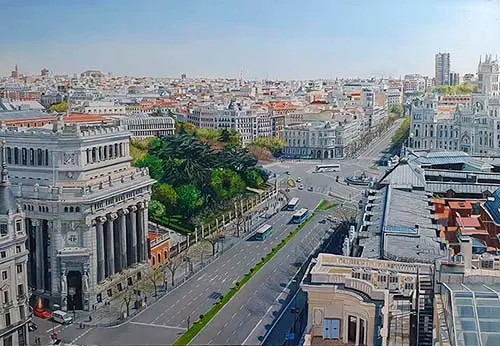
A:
<point x="146" y="299"/>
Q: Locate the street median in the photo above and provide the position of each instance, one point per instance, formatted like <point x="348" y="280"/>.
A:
<point x="205" y="319"/>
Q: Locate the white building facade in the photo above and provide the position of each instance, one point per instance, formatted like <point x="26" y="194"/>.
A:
<point x="86" y="210"/>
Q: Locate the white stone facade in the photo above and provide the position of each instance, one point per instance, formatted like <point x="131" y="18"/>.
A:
<point x="86" y="210"/>
<point x="320" y="140"/>
<point x="142" y="127"/>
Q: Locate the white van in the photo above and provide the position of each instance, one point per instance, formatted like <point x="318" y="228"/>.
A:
<point x="62" y="317"/>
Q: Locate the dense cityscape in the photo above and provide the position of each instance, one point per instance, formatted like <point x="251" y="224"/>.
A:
<point x="189" y="210"/>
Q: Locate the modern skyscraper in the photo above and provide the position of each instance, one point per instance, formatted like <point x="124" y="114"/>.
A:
<point x="442" y="69"/>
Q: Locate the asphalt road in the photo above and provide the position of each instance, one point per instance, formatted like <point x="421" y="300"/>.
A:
<point x="244" y="319"/>
<point x="162" y="322"/>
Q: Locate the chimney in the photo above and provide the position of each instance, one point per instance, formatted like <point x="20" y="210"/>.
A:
<point x="466" y="251"/>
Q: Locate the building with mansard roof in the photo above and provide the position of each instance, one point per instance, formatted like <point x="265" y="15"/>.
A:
<point x="86" y="210"/>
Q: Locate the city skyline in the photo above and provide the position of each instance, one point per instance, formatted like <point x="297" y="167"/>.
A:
<point x="278" y="40"/>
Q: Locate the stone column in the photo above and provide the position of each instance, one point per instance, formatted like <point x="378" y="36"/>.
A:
<point x="141" y="236"/>
<point x="39" y="251"/>
<point x="132" y="235"/>
<point x="122" y="257"/>
<point x="101" y="268"/>
<point x="110" y="245"/>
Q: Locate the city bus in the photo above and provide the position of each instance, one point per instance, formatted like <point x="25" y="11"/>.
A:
<point x="292" y="205"/>
<point x="300" y="216"/>
<point x="332" y="167"/>
<point x="264" y="232"/>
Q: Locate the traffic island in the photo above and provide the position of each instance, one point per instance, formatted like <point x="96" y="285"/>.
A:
<point x="205" y="319"/>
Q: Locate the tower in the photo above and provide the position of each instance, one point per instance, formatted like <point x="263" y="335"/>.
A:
<point x="442" y="69"/>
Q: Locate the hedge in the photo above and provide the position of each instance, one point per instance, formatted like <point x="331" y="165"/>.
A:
<point x="192" y="332"/>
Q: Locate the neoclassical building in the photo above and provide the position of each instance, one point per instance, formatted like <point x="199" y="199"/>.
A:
<point x="14" y="312"/>
<point x="86" y="210"/>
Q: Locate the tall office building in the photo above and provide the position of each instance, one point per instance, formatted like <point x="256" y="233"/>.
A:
<point x="442" y="69"/>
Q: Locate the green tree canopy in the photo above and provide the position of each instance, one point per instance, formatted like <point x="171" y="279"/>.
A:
<point x="396" y="109"/>
<point x="254" y="178"/>
<point x="156" y="209"/>
<point x="275" y="145"/>
<point x="189" y="199"/>
<point x="226" y="183"/>
<point x="154" y="164"/>
<point x="59" y="107"/>
<point x="166" y="195"/>
<point x="230" y="136"/>
<point x="463" y="89"/>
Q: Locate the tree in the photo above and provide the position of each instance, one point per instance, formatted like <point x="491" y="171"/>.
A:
<point x="157" y="209"/>
<point x="154" y="164"/>
<point x="259" y="153"/>
<point x="275" y="145"/>
<point x="172" y="266"/>
<point x="396" y="109"/>
<point x="155" y="276"/>
<point x="213" y="239"/>
<point x="189" y="199"/>
<point x="128" y="294"/>
<point x="253" y="178"/>
<point x="61" y="107"/>
<point x="166" y="195"/>
<point x="231" y="137"/>
<point x="226" y="184"/>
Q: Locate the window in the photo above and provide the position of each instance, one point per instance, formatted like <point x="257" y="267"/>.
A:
<point x="130" y="282"/>
<point x="110" y="292"/>
<point x="19" y="268"/>
<point x="5" y="297"/>
<point x="21" y="337"/>
<point x="3" y="230"/>
<point x="409" y="286"/>
<point x="20" y="290"/>
<point x="99" y="298"/>
<point x="351" y="329"/>
<point x="362" y="332"/>
<point x="21" y="312"/>
<point x="18" y="249"/>
<point x="4" y="275"/>
<point x="3" y="254"/>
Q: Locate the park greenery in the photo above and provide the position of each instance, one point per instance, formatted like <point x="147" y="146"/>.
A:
<point x="463" y="89"/>
<point x="396" y="109"/>
<point x="205" y="319"/>
<point x="61" y="107"/>
<point x="198" y="173"/>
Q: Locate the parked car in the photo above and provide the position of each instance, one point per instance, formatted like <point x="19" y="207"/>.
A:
<point x="299" y="179"/>
<point x="301" y="187"/>
<point x="322" y="221"/>
<point x="42" y="314"/>
<point x="32" y="326"/>
<point x="62" y="317"/>
<point x="310" y="188"/>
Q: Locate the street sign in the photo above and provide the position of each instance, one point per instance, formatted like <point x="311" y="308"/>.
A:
<point x="290" y="336"/>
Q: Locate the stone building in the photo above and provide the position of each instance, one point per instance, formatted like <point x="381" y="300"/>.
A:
<point x="14" y="313"/>
<point x="86" y="210"/>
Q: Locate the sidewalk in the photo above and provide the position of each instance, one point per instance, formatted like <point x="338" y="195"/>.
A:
<point x="112" y="314"/>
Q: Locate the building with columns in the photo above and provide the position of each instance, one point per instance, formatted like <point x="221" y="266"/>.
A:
<point x="86" y="210"/>
<point x="14" y="312"/>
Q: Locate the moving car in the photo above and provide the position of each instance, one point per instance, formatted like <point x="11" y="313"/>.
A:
<point x="62" y="317"/>
<point x="299" y="179"/>
<point x="310" y="188"/>
<point x="301" y="187"/>
<point x="42" y="314"/>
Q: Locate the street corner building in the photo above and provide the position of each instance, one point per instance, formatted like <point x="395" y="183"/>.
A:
<point x="14" y="312"/>
<point x="86" y="210"/>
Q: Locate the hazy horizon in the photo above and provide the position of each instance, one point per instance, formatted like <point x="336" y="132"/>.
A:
<point x="276" y="39"/>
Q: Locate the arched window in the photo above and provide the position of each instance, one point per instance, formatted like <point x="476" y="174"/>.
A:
<point x="65" y="209"/>
<point x="46" y="157"/>
<point x="32" y="157"/>
<point x="165" y="255"/>
<point x="94" y="155"/>
<point x="115" y="150"/>
<point x="9" y="155"/>
<point x="77" y="209"/>
<point x="71" y="209"/>
<point x="24" y="156"/>
<point x="153" y="259"/>
<point x="88" y="155"/>
<point x="159" y="258"/>
<point x="39" y="155"/>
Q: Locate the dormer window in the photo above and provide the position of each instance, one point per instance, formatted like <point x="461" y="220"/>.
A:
<point x="19" y="227"/>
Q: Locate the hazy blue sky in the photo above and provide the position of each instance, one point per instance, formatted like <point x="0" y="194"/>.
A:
<point x="274" y="38"/>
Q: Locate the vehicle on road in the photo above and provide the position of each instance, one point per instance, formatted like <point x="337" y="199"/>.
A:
<point x="300" y="216"/>
<point x="62" y="317"/>
<point x="294" y="202"/>
<point x="332" y="167"/>
<point x="264" y="232"/>
<point x="310" y="188"/>
<point x="42" y="314"/>
<point x="298" y="180"/>
<point x="322" y="221"/>
<point x="301" y="186"/>
<point x="32" y="326"/>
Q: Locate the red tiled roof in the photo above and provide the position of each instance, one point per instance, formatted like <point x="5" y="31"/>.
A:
<point x="460" y="205"/>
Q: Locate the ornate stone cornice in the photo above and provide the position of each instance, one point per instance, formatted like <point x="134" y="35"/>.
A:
<point x="112" y="216"/>
<point x="132" y="208"/>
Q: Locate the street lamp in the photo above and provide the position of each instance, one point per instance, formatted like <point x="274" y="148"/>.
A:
<point x="72" y="292"/>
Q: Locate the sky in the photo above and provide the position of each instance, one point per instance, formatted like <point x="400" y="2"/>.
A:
<point x="275" y="39"/>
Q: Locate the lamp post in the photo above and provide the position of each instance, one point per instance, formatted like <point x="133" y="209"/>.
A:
<point x="72" y="292"/>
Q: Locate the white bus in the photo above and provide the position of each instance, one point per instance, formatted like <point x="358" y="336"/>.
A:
<point x="294" y="202"/>
<point x="264" y="232"/>
<point x="300" y="216"/>
<point x="332" y="167"/>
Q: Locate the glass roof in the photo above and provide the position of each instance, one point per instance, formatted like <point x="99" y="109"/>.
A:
<point x="476" y="309"/>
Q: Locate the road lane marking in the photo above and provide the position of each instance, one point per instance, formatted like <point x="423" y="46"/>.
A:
<point x="218" y="333"/>
<point x="201" y="277"/>
<point x="234" y="315"/>
<point x="53" y="328"/>
<point x="158" y="325"/>
<point x="226" y="324"/>
<point x="81" y="335"/>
